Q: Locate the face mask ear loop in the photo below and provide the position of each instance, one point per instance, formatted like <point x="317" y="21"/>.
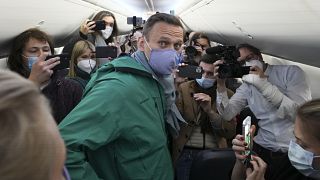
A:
<point x="147" y="43"/>
<point x="148" y="47"/>
<point x="90" y="64"/>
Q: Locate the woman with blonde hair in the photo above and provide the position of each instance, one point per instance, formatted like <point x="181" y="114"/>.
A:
<point x="30" y="144"/>
<point x="82" y="62"/>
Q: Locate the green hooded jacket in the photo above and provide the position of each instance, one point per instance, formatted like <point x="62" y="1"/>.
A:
<point x="117" y="131"/>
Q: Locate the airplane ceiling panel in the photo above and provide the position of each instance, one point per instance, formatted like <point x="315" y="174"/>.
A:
<point x="62" y="18"/>
<point x="144" y="8"/>
<point x="59" y="18"/>
<point x="287" y="28"/>
<point x="53" y="17"/>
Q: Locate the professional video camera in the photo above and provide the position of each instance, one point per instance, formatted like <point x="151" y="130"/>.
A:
<point x="191" y="53"/>
<point x="231" y="68"/>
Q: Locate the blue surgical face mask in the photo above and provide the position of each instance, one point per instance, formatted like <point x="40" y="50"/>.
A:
<point x="66" y="174"/>
<point x="205" y="82"/>
<point x="31" y="60"/>
<point x="302" y="160"/>
<point x="179" y="58"/>
<point x="162" y="61"/>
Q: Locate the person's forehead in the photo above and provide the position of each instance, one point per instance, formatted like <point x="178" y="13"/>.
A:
<point x="202" y="41"/>
<point x="108" y="19"/>
<point x="206" y="65"/>
<point x="33" y="42"/>
<point x="162" y="29"/>
<point x="244" y="50"/>
<point x="87" y="51"/>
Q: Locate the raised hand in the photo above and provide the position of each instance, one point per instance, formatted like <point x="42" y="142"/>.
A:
<point x="41" y="70"/>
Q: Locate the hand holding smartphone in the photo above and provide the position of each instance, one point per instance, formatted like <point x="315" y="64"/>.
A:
<point x="64" y="61"/>
<point x="246" y="125"/>
<point x="100" y="25"/>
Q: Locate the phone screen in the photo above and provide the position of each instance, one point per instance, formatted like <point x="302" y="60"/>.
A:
<point x="246" y="125"/>
<point x="190" y="71"/>
<point x="64" y="61"/>
<point x="106" y="52"/>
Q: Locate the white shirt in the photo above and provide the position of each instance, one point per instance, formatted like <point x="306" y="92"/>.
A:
<point x="276" y="123"/>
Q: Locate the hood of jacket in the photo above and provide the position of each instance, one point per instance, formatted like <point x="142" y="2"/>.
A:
<point x="124" y="64"/>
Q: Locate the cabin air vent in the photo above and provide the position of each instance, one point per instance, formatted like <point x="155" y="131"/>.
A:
<point x="242" y="30"/>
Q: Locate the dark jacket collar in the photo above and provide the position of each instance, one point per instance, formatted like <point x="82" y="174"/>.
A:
<point x="82" y="74"/>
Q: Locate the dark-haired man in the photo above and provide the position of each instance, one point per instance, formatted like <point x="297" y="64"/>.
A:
<point x="202" y="131"/>
<point x="119" y="129"/>
<point x="272" y="92"/>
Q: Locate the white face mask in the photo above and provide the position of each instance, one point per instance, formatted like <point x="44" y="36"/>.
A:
<point x="302" y="160"/>
<point x="254" y="62"/>
<point x="205" y="82"/>
<point x="106" y="33"/>
<point x="87" y="65"/>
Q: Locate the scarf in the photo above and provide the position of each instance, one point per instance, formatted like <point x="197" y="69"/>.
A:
<point x="172" y="115"/>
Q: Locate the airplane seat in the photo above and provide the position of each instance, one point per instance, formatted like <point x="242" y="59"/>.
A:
<point x="3" y="64"/>
<point x="213" y="164"/>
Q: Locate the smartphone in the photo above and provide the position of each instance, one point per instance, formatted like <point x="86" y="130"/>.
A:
<point x="246" y="125"/>
<point x="64" y="61"/>
<point x="136" y="21"/>
<point x="100" y="25"/>
<point x="190" y="71"/>
<point x="106" y="52"/>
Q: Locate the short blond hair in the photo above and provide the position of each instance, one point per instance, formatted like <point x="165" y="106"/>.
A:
<point x="27" y="149"/>
<point x="309" y="115"/>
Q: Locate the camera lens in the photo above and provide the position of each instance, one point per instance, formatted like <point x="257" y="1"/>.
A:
<point x="191" y="51"/>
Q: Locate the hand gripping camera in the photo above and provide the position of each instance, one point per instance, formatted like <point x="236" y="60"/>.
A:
<point x="231" y="68"/>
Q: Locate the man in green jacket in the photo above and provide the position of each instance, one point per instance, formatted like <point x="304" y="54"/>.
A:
<point x="118" y="129"/>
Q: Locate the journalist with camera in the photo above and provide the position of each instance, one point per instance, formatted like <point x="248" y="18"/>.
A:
<point x="195" y="49"/>
<point x="272" y="92"/>
<point x="196" y="104"/>
<point x="130" y="45"/>
<point x="231" y="68"/>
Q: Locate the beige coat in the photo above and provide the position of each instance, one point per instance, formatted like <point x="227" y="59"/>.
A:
<point x="187" y="107"/>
